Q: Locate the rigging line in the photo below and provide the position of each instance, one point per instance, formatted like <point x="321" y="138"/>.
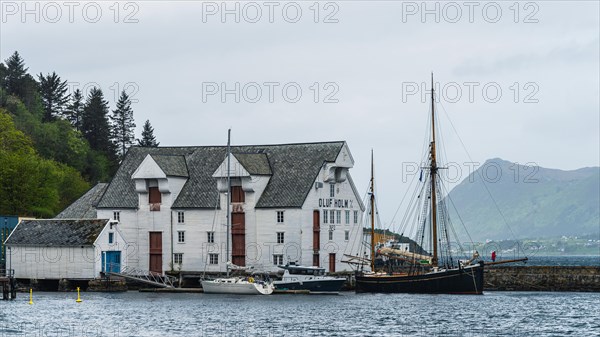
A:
<point x="378" y="222"/>
<point x="451" y="225"/>
<point x="479" y="174"/>
<point x="404" y="197"/>
<point x="460" y="219"/>
<point x="212" y="230"/>
<point x="445" y="223"/>
<point x="411" y="208"/>
<point x="424" y="155"/>
<point x="359" y="229"/>
<point x="416" y="192"/>
<point x="416" y="208"/>
<point x="360" y="236"/>
<point x="363" y="225"/>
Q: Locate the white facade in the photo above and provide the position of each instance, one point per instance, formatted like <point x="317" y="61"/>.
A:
<point x="332" y="192"/>
<point x="69" y="262"/>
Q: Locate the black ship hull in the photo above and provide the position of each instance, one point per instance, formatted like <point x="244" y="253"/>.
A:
<point x="334" y="285"/>
<point x="467" y="280"/>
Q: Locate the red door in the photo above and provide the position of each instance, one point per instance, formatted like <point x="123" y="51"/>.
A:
<point x="156" y="252"/>
<point x="332" y="262"/>
<point x="316" y="237"/>
<point x="238" y="239"/>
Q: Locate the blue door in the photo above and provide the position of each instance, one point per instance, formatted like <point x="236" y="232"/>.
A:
<point x="111" y="262"/>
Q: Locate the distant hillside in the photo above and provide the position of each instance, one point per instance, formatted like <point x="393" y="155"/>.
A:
<point x="536" y="202"/>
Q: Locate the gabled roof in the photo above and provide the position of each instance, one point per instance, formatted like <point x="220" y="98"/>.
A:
<point x="254" y="163"/>
<point x="85" y="206"/>
<point x="293" y="169"/>
<point x="57" y="232"/>
<point x="172" y="165"/>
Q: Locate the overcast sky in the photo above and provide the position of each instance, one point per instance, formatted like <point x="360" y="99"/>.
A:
<point x="369" y="59"/>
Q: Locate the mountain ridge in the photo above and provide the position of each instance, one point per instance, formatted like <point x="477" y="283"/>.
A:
<point x="534" y="201"/>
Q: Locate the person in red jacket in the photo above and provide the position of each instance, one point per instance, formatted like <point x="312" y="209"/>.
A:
<point x="493" y="256"/>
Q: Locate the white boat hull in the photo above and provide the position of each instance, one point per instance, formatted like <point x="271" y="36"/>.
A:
<point x="233" y="286"/>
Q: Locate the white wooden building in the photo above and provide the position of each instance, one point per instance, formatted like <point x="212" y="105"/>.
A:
<point x="65" y="249"/>
<point x="290" y="202"/>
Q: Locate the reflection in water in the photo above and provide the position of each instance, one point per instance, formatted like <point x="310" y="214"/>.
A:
<point x="348" y="314"/>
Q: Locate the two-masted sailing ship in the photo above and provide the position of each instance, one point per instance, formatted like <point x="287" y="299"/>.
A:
<point x="423" y="272"/>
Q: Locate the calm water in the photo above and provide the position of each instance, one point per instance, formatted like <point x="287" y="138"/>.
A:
<point x="347" y="314"/>
<point x="586" y="260"/>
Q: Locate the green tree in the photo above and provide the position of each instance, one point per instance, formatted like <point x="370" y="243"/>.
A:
<point x="95" y="126"/>
<point x="29" y="184"/>
<point x="54" y="95"/>
<point x="123" y="125"/>
<point x="148" y="138"/>
<point x="74" y="111"/>
<point x="3" y="72"/>
<point x="15" y="75"/>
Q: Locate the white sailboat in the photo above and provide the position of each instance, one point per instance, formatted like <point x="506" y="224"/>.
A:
<point x="235" y="285"/>
<point x="238" y="285"/>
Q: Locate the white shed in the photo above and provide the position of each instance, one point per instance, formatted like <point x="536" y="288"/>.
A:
<point x="65" y="249"/>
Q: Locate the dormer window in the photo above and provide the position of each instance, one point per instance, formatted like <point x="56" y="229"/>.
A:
<point x="237" y="194"/>
<point x="154" y="198"/>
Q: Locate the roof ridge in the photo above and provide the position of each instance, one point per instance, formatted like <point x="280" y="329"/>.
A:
<point x="240" y="145"/>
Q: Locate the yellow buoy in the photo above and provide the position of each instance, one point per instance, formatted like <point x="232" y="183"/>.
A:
<point x="30" y="296"/>
<point x="78" y="298"/>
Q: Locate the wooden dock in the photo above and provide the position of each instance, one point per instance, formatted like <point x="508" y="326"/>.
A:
<point x="8" y="284"/>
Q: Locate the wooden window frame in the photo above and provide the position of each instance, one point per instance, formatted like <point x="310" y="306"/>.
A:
<point x="213" y="259"/>
<point x="178" y="256"/>
<point x="278" y="259"/>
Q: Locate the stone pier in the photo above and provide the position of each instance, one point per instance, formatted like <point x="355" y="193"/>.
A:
<point x="542" y="278"/>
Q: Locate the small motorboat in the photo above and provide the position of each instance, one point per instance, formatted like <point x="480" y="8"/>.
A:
<point x="297" y="277"/>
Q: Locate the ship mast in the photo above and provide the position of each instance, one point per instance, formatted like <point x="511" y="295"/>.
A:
<point x="228" y="197"/>
<point x="433" y="171"/>
<point x="372" y="215"/>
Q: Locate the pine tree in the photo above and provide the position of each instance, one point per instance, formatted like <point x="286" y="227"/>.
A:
<point x="74" y="111"/>
<point x="148" y="139"/>
<point x="15" y="74"/>
<point x="123" y="125"/>
<point x="54" y="96"/>
<point x="95" y="126"/>
<point x="3" y="73"/>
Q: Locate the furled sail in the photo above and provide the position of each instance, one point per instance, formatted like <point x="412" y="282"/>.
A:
<point x="407" y="254"/>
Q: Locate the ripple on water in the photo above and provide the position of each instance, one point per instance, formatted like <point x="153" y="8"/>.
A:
<point x="144" y="314"/>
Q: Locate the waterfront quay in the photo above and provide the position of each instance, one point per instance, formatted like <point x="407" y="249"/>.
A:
<point x="8" y="284"/>
<point x="497" y="278"/>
